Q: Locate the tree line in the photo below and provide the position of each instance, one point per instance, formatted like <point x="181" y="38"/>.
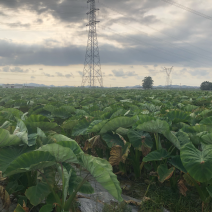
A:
<point x="206" y="85"/>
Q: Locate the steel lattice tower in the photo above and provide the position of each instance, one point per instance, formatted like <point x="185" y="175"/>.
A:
<point x="168" y="76"/>
<point x="92" y="67"/>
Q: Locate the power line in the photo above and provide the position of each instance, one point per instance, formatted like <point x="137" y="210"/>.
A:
<point x="188" y="9"/>
<point x="157" y="31"/>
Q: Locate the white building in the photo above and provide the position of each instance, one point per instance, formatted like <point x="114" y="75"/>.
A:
<point x="12" y="86"/>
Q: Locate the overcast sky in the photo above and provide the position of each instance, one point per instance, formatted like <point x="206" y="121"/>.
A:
<point x="44" y="41"/>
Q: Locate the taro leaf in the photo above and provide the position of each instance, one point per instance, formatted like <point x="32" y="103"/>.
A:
<point x="156" y="155"/>
<point x="36" y="118"/>
<point x="67" y="142"/>
<point x="119" y="154"/>
<point x="172" y="138"/>
<point x="155" y="126"/>
<point x="8" y="140"/>
<point x="101" y="170"/>
<point x="11" y="113"/>
<point x="197" y="163"/>
<point x="209" y="189"/>
<point x="60" y="153"/>
<point x="19" y="208"/>
<point x="32" y="139"/>
<point x="97" y="127"/>
<point x="177" y="116"/>
<point x="21" y="131"/>
<point x="86" y="187"/>
<point x="14" y="187"/>
<point x="73" y="145"/>
<point x="48" y="176"/>
<point x="136" y="138"/>
<point x="46" y="208"/>
<point x="112" y="140"/>
<point x="75" y="180"/>
<point x="5" y="197"/>
<point x="81" y="128"/>
<point x="206" y="121"/>
<point x="65" y="175"/>
<point x="144" y="118"/>
<point x="201" y="128"/>
<point x="45" y="126"/>
<point x="207" y="139"/>
<point x="93" y="124"/>
<point x="5" y="125"/>
<point x="36" y="194"/>
<point x="9" y="154"/>
<point x="122" y="131"/>
<point x="70" y="124"/>
<point x="30" y="161"/>
<point x="183" y="138"/>
<point x="164" y="173"/>
<point x="190" y="108"/>
<point x="176" y="162"/>
<point x="115" y="123"/>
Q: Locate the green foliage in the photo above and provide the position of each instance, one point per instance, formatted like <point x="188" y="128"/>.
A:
<point x="147" y="83"/>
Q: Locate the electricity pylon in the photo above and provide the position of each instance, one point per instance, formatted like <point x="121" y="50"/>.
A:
<point x="168" y="76"/>
<point x="92" y="68"/>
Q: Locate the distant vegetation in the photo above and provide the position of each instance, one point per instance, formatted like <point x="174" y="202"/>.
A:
<point x="206" y="85"/>
<point x="147" y="83"/>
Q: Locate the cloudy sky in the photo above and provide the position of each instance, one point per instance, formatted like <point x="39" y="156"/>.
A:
<point x="44" y="41"/>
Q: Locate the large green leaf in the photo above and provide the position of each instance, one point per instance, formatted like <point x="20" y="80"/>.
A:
<point x="70" y="124"/>
<point x="30" y="161"/>
<point x="176" y="162"/>
<point x="45" y="126"/>
<point x="36" y="118"/>
<point x="207" y="139"/>
<point x="101" y="170"/>
<point x="96" y="126"/>
<point x="172" y="138"/>
<point x="36" y="194"/>
<point x="155" y="126"/>
<point x="8" y="140"/>
<point x="9" y="154"/>
<point x="115" y="123"/>
<point x="72" y="145"/>
<point x="156" y="155"/>
<point x="183" y="138"/>
<point x="112" y="140"/>
<point x="21" y="131"/>
<point x="206" y="121"/>
<point x="81" y="128"/>
<point x="61" y="154"/>
<point x="144" y="118"/>
<point x="164" y="173"/>
<point x="136" y="138"/>
<point x="197" y="163"/>
<point x="47" y="208"/>
<point x="177" y="116"/>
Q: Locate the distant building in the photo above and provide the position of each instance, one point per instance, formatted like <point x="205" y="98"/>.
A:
<point x="16" y="86"/>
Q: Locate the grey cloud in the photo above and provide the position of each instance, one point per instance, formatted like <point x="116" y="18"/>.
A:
<point x="40" y="68"/>
<point x="32" y="77"/>
<point x="17" y="24"/>
<point x="39" y="21"/>
<point x="64" y="75"/>
<point x="121" y="73"/>
<point x="48" y="75"/>
<point x="80" y="73"/>
<point x="15" y="69"/>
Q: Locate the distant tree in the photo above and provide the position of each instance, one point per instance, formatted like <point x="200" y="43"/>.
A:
<point x="147" y="83"/>
<point x="206" y="85"/>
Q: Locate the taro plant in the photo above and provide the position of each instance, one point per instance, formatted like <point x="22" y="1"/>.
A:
<point x="63" y="157"/>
